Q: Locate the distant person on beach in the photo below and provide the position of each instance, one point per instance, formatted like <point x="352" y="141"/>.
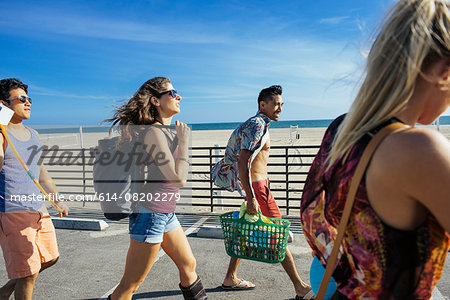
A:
<point x="397" y="238"/>
<point x="27" y="235"/>
<point x="154" y="224"/>
<point x="244" y="168"/>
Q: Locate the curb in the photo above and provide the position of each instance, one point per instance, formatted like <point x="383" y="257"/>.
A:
<point x="79" y="224"/>
<point x="210" y="231"/>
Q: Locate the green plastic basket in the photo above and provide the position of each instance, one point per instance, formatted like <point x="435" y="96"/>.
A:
<point x="255" y="240"/>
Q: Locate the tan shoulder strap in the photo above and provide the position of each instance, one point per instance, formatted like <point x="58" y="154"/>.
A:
<point x="4" y="141"/>
<point x="360" y="169"/>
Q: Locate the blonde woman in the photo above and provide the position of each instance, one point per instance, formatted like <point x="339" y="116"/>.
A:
<point x="397" y="238"/>
<point x="153" y="224"/>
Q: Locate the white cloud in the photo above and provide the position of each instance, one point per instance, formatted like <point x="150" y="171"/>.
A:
<point x="39" y="20"/>
<point x="334" y="20"/>
<point x="37" y="90"/>
<point x="311" y="59"/>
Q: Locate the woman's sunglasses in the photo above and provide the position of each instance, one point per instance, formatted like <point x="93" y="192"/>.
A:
<point x="22" y="99"/>
<point x="172" y="93"/>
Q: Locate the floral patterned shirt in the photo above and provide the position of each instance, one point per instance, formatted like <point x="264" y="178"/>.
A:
<point x="376" y="260"/>
<point x="248" y="135"/>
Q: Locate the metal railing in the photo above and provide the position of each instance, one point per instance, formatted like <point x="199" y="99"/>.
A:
<point x="72" y="171"/>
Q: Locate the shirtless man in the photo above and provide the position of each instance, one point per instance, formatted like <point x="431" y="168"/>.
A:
<point x="246" y="159"/>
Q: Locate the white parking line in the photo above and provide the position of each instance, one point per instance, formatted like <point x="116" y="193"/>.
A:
<point x="437" y="295"/>
<point x="161" y="251"/>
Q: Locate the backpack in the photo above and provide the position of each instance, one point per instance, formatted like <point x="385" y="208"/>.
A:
<point x="118" y="176"/>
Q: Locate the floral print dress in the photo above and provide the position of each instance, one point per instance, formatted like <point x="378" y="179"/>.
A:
<point x="376" y="261"/>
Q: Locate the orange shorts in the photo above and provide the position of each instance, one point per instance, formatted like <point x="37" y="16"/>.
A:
<point x="27" y="239"/>
<point x="266" y="201"/>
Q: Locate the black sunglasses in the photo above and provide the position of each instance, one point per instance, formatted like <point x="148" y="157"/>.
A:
<point x="172" y="93"/>
<point x="22" y="99"/>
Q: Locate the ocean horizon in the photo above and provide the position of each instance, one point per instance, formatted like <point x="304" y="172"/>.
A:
<point x="43" y="129"/>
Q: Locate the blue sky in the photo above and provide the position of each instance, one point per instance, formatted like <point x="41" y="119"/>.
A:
<point x="82" y="57"/>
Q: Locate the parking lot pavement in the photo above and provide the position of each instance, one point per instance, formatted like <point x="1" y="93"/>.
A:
<point x="92" y="263"/>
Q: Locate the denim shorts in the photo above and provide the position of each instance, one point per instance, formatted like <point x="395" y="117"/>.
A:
<point x="149" y="227"/>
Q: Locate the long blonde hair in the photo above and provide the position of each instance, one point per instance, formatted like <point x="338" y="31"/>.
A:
<point x="414" y="35"/>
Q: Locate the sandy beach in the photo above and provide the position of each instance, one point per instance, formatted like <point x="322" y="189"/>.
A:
<point x="208" y="138"/>
<point x="278" y="136"/>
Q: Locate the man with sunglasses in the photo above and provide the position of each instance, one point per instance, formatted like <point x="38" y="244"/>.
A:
<point x="244" y="168"/>
<point x="27" y="235"/>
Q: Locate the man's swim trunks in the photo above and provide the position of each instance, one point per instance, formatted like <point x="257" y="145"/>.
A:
<point x="266" y="201"/>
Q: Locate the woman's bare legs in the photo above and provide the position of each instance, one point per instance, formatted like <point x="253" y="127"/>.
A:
<point x="140" y="259"/>
<point x="177" y="247"/>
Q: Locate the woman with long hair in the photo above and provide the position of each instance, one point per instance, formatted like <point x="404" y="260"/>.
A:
<point x="153" y="224"/>
<point x="397" y="237"/>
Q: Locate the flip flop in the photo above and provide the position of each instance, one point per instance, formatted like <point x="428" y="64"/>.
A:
<point x="242" y="285"/>
<point x="309" y="295"/>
